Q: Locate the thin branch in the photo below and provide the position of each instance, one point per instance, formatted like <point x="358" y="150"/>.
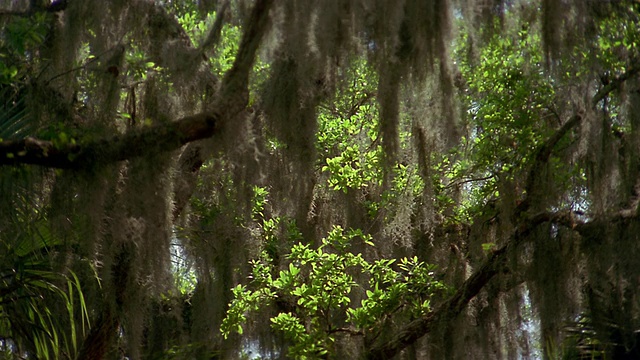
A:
<point x="83" y="66"/>
<point x="462" y="182"/>
<point x="616" y="83"/>
<point x="213" y="38"/>
<point x="349" y="331"/>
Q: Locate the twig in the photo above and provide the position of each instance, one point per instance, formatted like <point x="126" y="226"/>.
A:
<point x="462" y="182"/>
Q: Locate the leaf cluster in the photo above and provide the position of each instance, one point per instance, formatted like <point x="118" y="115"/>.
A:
<point x="315" y="293"/>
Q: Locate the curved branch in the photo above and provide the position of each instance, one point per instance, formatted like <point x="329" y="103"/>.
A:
<point x="232" y="99"/>
<point x="409" y="334"/>
<point x="616" y="83"/>
<point x="544" y="152"/>
<point x="237" y="78"/>
<point x="497" y="263"/>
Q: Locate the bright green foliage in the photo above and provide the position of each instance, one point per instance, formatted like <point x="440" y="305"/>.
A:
<point x="347" y="132"/>
<point x="348" y="143"/>
<point x="511" y="98"/>
<point x="510" y="106"/>
<point x="259" y="202"/>
<point x="227" y="50"/>
<point x="408" y="289"/>
<point x="196" y="25"/>
<point x="317" y="288"/>
<point x="348" y="171"/>
<point x="352" y="113"/>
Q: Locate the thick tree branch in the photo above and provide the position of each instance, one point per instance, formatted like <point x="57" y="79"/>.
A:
<point x="237" y="78"/>
<point x="409" y="334"/>
<point x="544" y="152"/>
<point x="165" y="137"/>
<point x="232" y="99"/>
<point x="497" y="263"/>
<point x="193" y="156"/>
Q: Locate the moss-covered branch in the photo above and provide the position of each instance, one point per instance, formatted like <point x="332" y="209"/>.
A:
<point x="409" y="334"/>
<point x="496" y="264"/>
<point x="164" y="137"/>
<point x="231" y="100"/>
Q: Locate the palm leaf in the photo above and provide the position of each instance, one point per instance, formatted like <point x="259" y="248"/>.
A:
<point x="16" y="121"/>
<point x="39" y="306"/>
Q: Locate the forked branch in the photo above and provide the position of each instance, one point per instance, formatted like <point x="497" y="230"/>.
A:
<point x="232" y="99"/>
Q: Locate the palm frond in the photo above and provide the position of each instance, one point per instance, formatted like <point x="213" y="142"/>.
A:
<point x="16" y="121"/>
<point x="39" y="307"/>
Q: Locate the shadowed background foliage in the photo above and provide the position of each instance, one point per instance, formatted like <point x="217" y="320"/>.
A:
<point x="151" y="150"/>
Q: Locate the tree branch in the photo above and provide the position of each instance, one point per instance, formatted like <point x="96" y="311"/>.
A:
<point x="237" y="78"/>
<point x="409" y="334"/>
<point x="616" y="83"/>
<point x="387" y="348"/>
<point x="193" y="157"/>
<point x="216" y="30"/>
<point x="151" y="139"/>
<point x="544" y="152"/>
<point x="542" y="157"/>
<point x="232" y="99"/>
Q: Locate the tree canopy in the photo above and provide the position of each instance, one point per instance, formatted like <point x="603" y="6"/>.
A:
<point x="372" y="179"/>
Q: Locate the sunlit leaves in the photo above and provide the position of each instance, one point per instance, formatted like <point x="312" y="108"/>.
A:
<point x="353" y="169"/>
<point x="226" y="52"/>
<point x="510" y="98"/>
<point x="510" y="101"/>
<point x="408" y="289"/>
<point x="347" y="131"/>
<point x="319" y="285"/>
